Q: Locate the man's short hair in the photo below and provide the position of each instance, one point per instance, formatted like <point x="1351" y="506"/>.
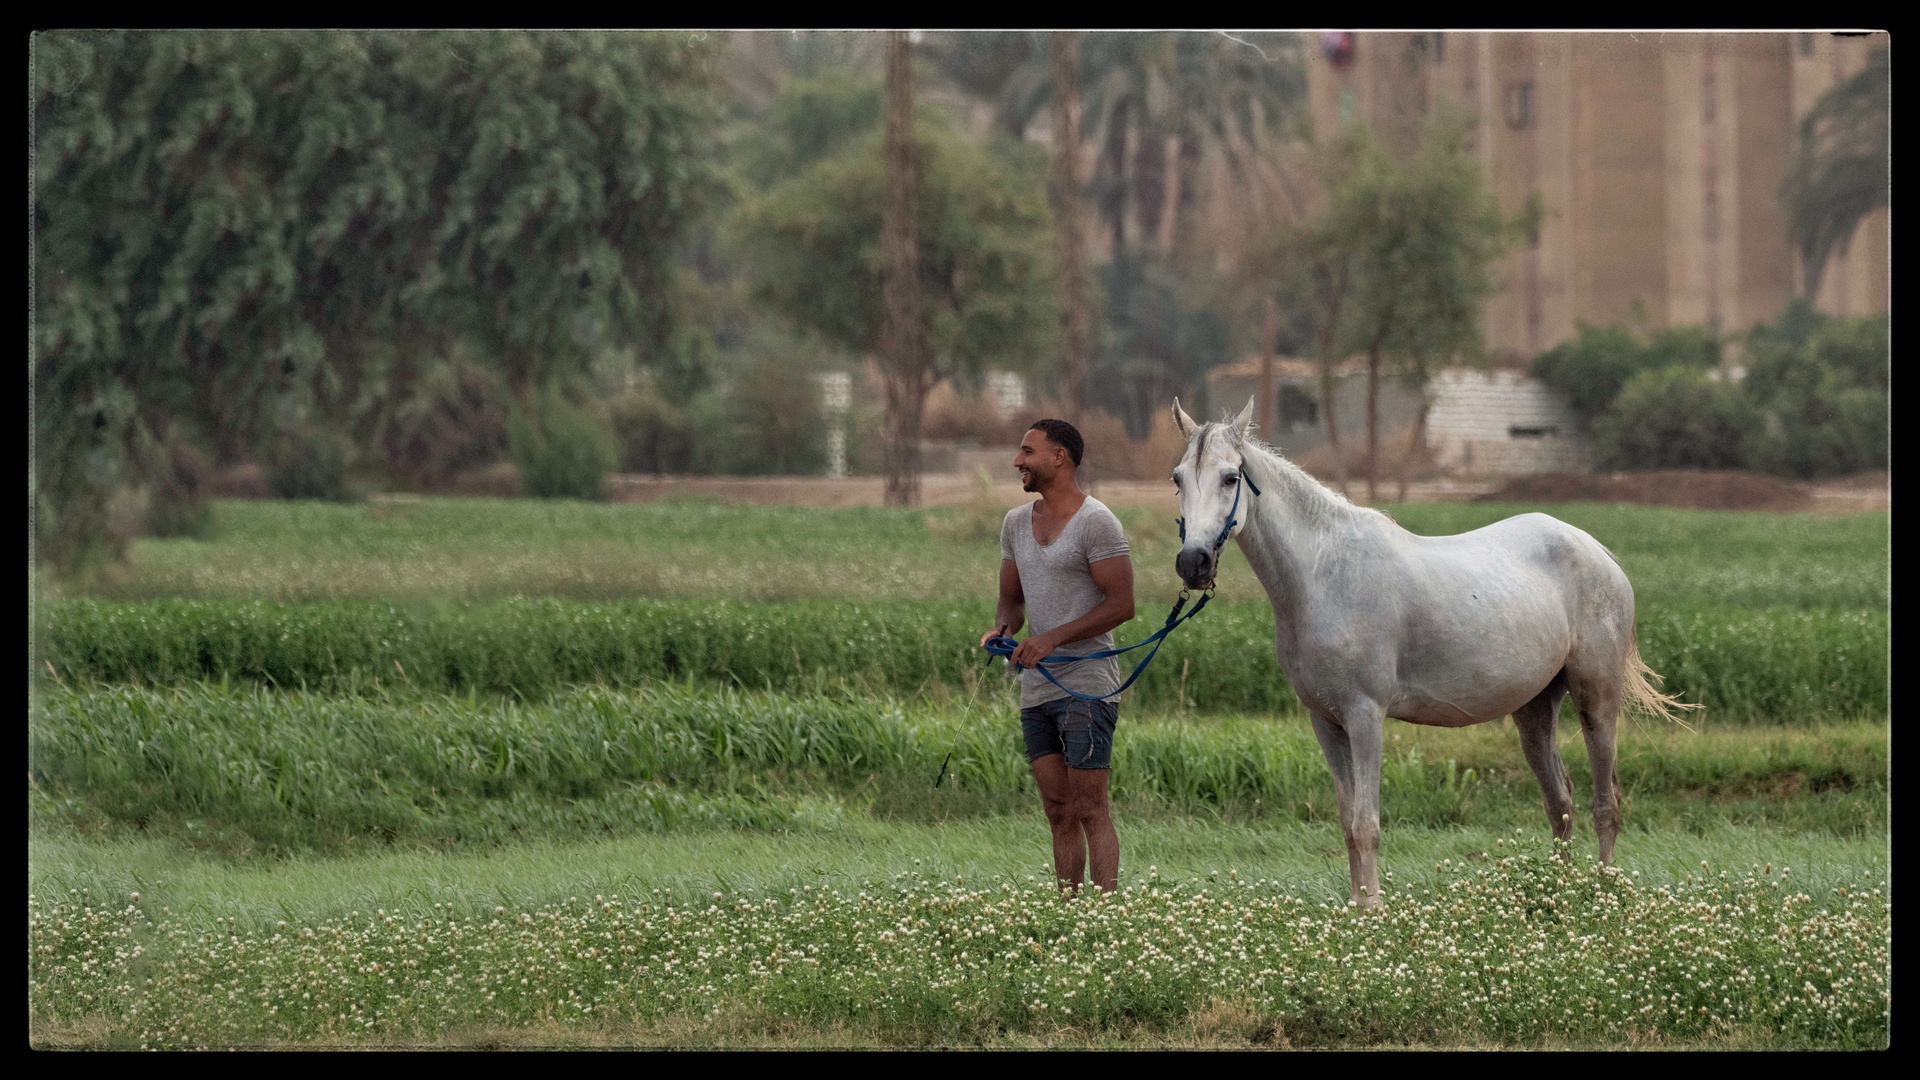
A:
<point x="1063" y="434"/>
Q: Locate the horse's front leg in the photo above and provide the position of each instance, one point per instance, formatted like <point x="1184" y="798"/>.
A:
<point x="1365" y="723"/>
<point x="1359" y="814"/>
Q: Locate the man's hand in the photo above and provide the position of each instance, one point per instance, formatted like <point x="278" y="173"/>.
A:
<point x="998" y="631"/>
<point x="1036" y="648"/>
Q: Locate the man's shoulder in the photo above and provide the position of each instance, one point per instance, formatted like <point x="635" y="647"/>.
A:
<point x="1102" y="535"/>
<point x="1099" y="512"/>
<point x="1017" y="519"/>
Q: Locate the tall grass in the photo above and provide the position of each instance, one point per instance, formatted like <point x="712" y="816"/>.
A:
<point x="484" y="549"/>
<point x="306" y="770"/>
<point x="1792" y="664"/>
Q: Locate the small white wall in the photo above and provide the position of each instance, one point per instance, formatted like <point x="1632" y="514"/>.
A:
<point x="1470" y="426"/>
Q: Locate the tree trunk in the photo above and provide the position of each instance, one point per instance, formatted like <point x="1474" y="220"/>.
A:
<point x="1328" y="331"/>
<point x="1416" y="444"/>
<point x="1263" y="393"/>
<point x="903" y="334"/>
<point x="906" y="404"/>
<point x="1373" y="423"/>
<point x="1076" y="320"/>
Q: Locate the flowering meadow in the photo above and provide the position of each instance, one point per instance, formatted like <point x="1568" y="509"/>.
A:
<point x="492" y="773"/>
<point x="1522" y="949"/>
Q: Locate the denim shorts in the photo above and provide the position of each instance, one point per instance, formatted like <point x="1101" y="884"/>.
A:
<point x="1080" y="730"/>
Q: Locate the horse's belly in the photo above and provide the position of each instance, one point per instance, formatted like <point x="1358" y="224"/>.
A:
<point x="1433" y="712"/>
<point x="1456" y="700"/>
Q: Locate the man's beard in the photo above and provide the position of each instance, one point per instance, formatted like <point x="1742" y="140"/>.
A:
<point x="1028" y="480"/>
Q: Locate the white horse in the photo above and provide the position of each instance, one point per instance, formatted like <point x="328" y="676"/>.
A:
<point x="1371" y="621"/>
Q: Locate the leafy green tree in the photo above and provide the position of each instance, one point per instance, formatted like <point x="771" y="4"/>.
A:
<point x="813" y="119"/>
<point x="1424" y="236"/>
<point x="1842" y="168"/>
<point x="1395" y="265"/>
<point x="815" y="253"/>
<point x="244" y="233"/>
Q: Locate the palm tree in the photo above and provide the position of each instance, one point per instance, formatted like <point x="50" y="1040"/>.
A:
<point x="1157" y="107"/>
<point x="903" y="338"/>
<point x="1841" y="172"/>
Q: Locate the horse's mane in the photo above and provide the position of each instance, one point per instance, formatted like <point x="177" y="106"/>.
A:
<point x="1311" y="499"/>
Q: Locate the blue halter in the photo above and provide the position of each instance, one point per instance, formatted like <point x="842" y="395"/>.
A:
<point x="1004" y="646"/>
<point x="1233" y="515"/>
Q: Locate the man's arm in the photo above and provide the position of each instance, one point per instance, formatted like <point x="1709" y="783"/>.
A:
<point x="1114" y="578"/>
<point x="1011" y="613"/>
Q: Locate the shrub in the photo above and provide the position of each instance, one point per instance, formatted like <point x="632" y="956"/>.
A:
<point x="453" y="417"/>
<point x="563" y="452"/>
<point x="1823" y="388"/>
<point x="1594" y="367"/>
<point x="1675" y="418"/>
<point x="654" y="435"/>
<point x="769" y="422"/>
<point x="179" y="506"/>
<point x="308" y="464"/>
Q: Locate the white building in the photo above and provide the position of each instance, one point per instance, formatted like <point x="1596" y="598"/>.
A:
<point x="1503" y="423"/>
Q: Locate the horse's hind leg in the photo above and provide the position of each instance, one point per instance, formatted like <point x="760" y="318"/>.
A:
<point x="1599" y="703"/>
<point x="1535" y="721"/>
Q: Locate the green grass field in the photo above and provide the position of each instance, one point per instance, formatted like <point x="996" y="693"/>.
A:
<point x="483" y="549"/>
<point x="469" y="772"/>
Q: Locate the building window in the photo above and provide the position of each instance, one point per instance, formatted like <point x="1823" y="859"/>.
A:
<point x="1532" y="432"/>
<point x="1520" y="105"/>
<point x="1709" y="98"/>
<point x="1710" y="213"/>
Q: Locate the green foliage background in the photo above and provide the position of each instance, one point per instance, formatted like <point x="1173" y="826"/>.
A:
<point x="1814" y="402"/>
<point x="244" y="234"/>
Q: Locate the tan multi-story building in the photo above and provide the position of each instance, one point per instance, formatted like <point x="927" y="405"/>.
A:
<point x="1658" y="159"/>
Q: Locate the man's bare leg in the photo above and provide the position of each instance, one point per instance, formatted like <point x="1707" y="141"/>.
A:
<point x="1069" y="836"/>
<point x="1088" y="791"/>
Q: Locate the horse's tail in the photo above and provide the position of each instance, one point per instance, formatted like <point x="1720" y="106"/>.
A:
<point x="1636" y="691"/>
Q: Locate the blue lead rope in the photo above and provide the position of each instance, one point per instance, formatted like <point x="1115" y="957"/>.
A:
<point x="1004" y="646"/>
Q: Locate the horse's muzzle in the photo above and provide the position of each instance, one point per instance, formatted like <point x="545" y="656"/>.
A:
<point x="1195" y="567"/>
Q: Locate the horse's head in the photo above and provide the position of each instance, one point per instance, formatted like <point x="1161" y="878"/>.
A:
<point x="1215" y="499"/>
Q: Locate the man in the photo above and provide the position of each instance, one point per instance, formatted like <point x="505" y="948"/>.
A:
<point x="1064" y="570"/>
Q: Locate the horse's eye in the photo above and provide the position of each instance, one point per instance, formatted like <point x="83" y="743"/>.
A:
<point x="1231" y="480"/>
<point x="1176" y="481"/>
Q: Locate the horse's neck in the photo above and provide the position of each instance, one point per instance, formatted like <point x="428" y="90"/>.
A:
<point x="1294" y="520"/>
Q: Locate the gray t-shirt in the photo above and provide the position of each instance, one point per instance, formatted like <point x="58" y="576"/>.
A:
<point x="1058" y="584"/>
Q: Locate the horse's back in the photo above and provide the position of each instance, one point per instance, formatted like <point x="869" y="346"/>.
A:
<point x="1518" y="597"/>
<point x="1534" y="546"/>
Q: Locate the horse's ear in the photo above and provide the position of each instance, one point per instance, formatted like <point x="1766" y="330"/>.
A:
<point x="1182" y="421"/>
<point x="1242" y="422"/>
